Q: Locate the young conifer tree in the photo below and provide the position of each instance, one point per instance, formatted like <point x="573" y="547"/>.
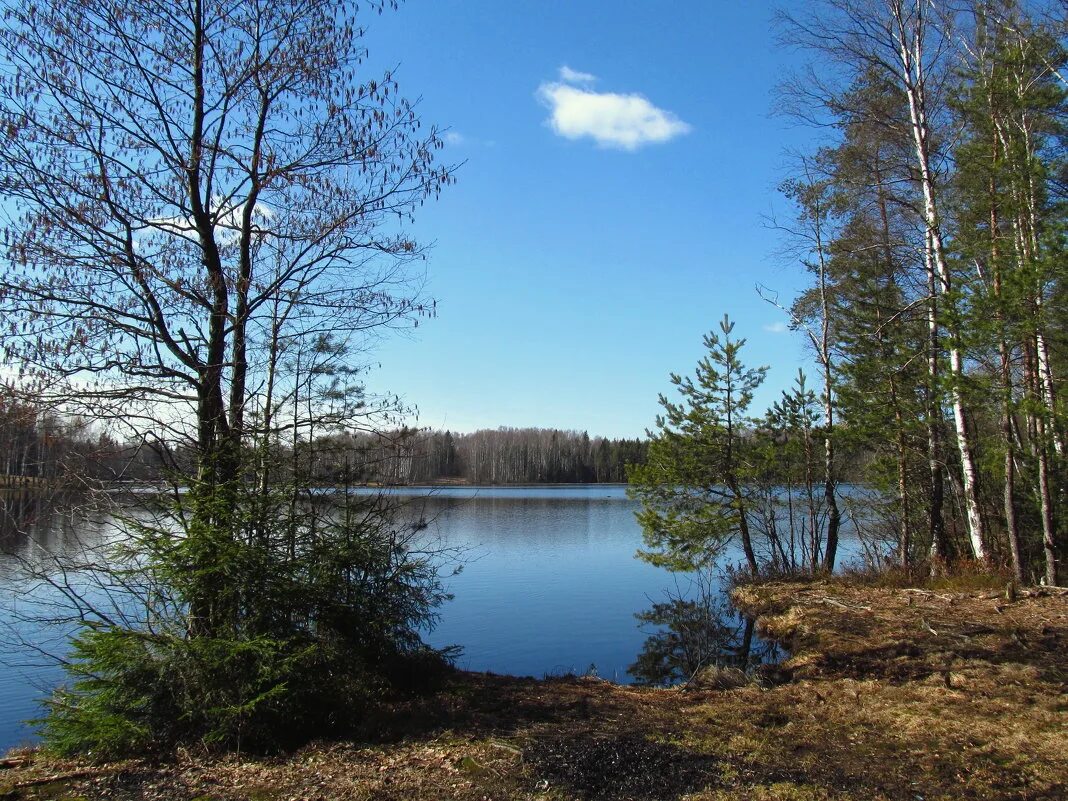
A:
<point x="693" y="487"/>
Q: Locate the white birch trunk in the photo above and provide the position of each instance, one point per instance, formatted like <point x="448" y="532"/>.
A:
<point x="910" y="53"/>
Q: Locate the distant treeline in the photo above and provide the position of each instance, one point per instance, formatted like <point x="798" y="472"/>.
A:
<point x="36" y="444"/>
<point x="31" y="442"/>
<point x="489" y="456"/>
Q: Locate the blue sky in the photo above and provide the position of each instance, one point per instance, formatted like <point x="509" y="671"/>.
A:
<point x="575" y="266"/>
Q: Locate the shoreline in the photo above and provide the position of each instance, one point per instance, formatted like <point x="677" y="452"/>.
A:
<point x="888" y="693"/>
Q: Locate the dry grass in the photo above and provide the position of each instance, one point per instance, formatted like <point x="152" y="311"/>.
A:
<point x="894" y="694"/>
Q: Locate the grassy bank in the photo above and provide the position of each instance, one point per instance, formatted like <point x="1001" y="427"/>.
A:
<point x="889" y="693"/>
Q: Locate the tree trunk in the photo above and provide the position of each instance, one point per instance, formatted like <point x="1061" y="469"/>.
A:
<point x="1012" y="533"/>
<point x="910" y="53"/>
<point x="937" y="528"/>
<point x="743" y="529"/>
<point x="904" y="542"/>
<point x="1049" y="545"/>
<point x="834" y="518"/>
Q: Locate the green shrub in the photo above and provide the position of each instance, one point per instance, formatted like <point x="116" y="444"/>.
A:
<point x="318" y="619"/>
<point x="133" y="693"/>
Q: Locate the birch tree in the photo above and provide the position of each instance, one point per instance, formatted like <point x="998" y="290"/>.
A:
<point x="899" y="41"/>
<point x="181" y="180"/>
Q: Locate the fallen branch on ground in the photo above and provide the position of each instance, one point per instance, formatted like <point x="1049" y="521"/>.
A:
<point x="87" y="773"/>
<point x="1040" y="591"/>
<point x="849" y="607"/>
<point x="928" y="593"/>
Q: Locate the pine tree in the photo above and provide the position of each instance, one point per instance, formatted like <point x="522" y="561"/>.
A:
<point x="694" y="488"/>
<point x="1009" y="105"/>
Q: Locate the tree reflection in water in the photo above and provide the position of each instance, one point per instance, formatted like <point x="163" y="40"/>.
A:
<point x="695" y="632"/>
<point x="20" y="513"/>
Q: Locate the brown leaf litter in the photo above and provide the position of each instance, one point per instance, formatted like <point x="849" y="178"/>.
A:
<point x="904" y="694"/>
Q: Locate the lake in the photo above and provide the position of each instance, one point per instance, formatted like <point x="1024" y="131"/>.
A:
<point x="549" y="585"/>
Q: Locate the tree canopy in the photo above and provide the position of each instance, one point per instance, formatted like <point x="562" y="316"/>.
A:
<point x="206" y="212"/>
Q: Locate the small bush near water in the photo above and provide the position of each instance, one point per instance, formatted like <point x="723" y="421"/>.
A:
<point x="134" y="694"/>
<point x="302" y="640"/>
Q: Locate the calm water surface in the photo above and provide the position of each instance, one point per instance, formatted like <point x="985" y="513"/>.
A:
<point x="549" y="585"/>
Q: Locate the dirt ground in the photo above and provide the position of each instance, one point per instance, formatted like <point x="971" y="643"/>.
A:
<point x="888" y="694"/>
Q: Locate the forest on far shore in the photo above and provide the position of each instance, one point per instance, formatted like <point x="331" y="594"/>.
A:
<point x="37" y="444"/>
<point x="487" y="456"/>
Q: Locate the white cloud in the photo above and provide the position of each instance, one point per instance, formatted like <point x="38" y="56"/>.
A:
<point x="777" y="328"/>
<point x="453" y="138"/>
<point x="568" y="75"/>
<point x="623" y="121"/>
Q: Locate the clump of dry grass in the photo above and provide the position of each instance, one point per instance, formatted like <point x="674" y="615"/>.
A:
<point x="964" y="575"/>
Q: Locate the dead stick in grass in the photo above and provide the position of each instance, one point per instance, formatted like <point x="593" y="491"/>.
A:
<point x="1038" y="592"/>
<point x="87" y="773"/>
<point x="509" y="748"/>
<point x="928" y="593"/>
<point x="832" y="602"/>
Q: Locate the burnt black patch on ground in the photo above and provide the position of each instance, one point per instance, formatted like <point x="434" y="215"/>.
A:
<point x="596" y="767"/>
<point x="487" y="704"/>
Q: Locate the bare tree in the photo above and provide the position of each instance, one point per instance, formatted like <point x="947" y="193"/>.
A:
<point x="205" y="225"/>
<point x="196" y="194"/>
<point x="811" y="194"/>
